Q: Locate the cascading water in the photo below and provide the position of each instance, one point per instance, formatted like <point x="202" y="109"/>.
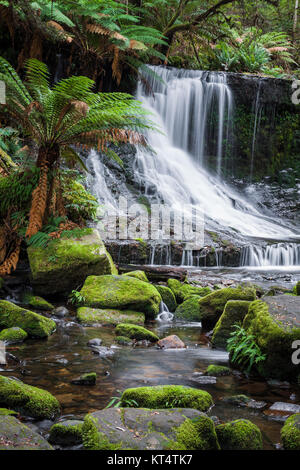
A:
<point x="280" y="254"/>
<point x="194" y="111"/>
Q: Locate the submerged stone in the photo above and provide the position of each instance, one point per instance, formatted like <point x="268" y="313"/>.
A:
<point x="13" y="335"/>
<point x="217" y="371"/>
<point x="240" y="434"/>
<point x="34" y="324"/>
<point x="15" y="435"/>
<point x="28" y="400"/>
<point x="86" y="379"/>
<point x="66" y="262"/>
<point x="212" y="306"/>
<point x="234" y="312"/>
<point x="168" y="396"/>
<point x="66" y="433"/>
<point x="136" y="332"/>
<point x="244" y="402"/>
<point x="91" y="316"/>
<point x="148" y="429"/>
<point x="122" y="293"/>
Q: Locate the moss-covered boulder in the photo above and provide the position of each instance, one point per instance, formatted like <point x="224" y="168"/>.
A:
<point x="148" y="429"/>
<point x="274" y="332"/>
<point x="6" y="412"/>
<point x="212" y="306"/>
<point x="121" y="292"/>
<point x="28" y="400"/>
<point x="168" y="396"/>
<point x="13" y="335"/>
<point x="217" y="371"/>
<point x="240" y="434"/>
<point x="92" y="316"/>
<point x="37" y="302"/>
<point x="34" y="324"/>
<point x="234" y="312"/>
<point x="189" y="309"/>
<point x="141" y="275"/>
<point x="297" y="288"/>
<point x="290" y="433"/>
<point x="136" y="332"/>
<point x="66" y="262"/>
<point x="167" y="297"/>
<point x="66" y="433"/>
<point x="15" y="435"/>
<point x="183" y="291"/>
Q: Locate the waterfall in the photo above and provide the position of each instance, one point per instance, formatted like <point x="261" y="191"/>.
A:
<point x="256" y="124"/>
<point x="280" y="254"/>
<point x="180" y="103"/>
<point x="194" y="111"/>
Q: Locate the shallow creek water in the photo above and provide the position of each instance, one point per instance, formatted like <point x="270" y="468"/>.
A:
<point x="52" y="364"/>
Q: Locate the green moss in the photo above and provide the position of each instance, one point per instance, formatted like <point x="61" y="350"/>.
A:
<point x="135" y="332"/>
<point x="31" y="401"/>
<point x="189" y="309"/>
<point x="123" y="341"/>
<point x="168" y="396"/>
<point x="13" y="335"/>
<point x="66" y="433"/>
<point x="6" y="412"/>
<point x="93" y="439"/>
<point x="297" y="288"/>
<point x="217" y="371"/>
<point x="138" y="275"/>
<point x="183" y="291"/>
<point x="34" y="324"/>
<point x="121" y="292"/>
<point x="240" y="434"/>
<point x="80" y="204"/>
<point x="234" y="312"/>
<point x="91" y="316"/>
<point x="66" y="262"/>
<point x="196" y="434"/>
<point x="167" y="297"/>
<point x="38" y="302"/>
<point x="290" y="433"/>
<point x="212" y="305"/>
<point x="274" y="340"/>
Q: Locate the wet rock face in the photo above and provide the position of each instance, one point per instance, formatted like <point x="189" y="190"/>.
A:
<point x="14" y="435"/>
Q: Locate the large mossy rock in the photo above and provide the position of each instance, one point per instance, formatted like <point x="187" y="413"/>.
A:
<point x="234" y="312"/>
<point x="94" y="316"/>
<point x="13" y="335"/>
<point x="136" y="332"/>
<point x="168" y="396"/>
<point x="274" y="328"/>
<point x="183" y="291"/>
<point x="37" y="302"/>
<point x="147" y="429"/>
<point x="290" y="433"/>
<point x="34" y="324"/>
<point x="167" y="297"/>
<point x="15" y="435"/>
<point x="122" y="293"/>
<point x="212" y="306"/>
<point x="240" y="434"/>
<point x="66" y="262"/>
<point x="28" y="400"/>
<point x="189" y="310"/>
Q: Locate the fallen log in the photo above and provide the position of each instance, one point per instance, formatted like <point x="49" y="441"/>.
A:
<point x="156" y="273"/>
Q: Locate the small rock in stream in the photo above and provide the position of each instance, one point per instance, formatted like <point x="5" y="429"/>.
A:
<point x="171" y="342"/>
<point x="244" y="402"/>
<point x="103" y="351"/>
<point x="85" y="379"/>
<point x="60" y="311"/>
<point x="94" y="342"/>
